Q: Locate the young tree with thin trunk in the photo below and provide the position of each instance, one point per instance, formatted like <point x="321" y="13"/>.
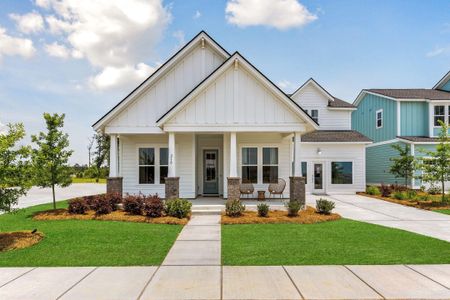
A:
<point x="404" y="165"/>
<point x="101" y="154"/>
<point x="436" y="165"/>
<point x="50" y="158"/>
<point x="89" y="148"/>
<point x="14" y="166"/>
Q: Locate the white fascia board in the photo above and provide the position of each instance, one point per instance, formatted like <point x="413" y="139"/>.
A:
<point x="364" y="92"/>
<point x="342" y="108"/>
<point x="417" y="143"/>
<point x="157" y="75"/>
<point x="338" y="143"/>
<point x="320" y="88"/>
<point x="383" y="143"/>
<point x="133" y="130"/>
<point x="282" y="128"/>
<point x="442" y="81"/>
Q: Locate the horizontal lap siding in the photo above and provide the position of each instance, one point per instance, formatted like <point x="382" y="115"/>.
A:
<point x="378" y="164"/>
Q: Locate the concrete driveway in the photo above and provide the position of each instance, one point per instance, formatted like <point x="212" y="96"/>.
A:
<point x="389" y="214"/>
<point x="39" y="196"/>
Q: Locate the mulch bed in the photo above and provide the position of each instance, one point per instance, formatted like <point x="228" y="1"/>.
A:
<point x="19" y="240"/>
<point x="428" y="205"/>
<point x="118" y="215"/>
<point x="307" y="216"/>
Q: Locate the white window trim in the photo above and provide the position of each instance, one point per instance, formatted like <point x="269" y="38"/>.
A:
<point x="446" y="114"/>
<point x="250" y="165"/>
<point x="315" y="118"/>
<point x="376" y="118"/>
<point x="260" y="158"/>
<point x="269" y="165"/>
<point x="331" y="172"/>
<point x="159" y="163"/>
<point x="156" y="165"/>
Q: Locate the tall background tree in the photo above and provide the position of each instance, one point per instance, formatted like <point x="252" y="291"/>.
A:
<point x="101" y="156"/>
<point x="14" y="166"/>
<point x="436" y="167"/>
<point x="404" y="165"/>
<point x="50" y="158"/>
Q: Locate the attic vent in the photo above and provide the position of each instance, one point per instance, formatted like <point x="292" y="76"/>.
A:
<point x="203" y="43"/>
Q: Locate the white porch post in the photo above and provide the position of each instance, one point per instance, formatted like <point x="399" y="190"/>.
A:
<point x="233" y="155"/>
<point x="297" y="153"/>
<point x="172" y="170"/>
<point x="113" y="156"/>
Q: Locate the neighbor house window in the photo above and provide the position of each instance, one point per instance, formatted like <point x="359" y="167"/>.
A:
<point x="448" y="114"/>
<point x="270" y="165"/>
<point x="379" y="118"/>
<point x="146" y="165"/>
<point x="250" y="165"/>
<point x="315" y="115"/>
<point x="163" y="164"/>
<point x="439" y="114"/>
<point x="341" y="172"/>
<point x="305" y="171"/>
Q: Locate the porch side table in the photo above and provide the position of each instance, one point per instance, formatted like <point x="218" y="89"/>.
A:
<point x="261" y="195"/>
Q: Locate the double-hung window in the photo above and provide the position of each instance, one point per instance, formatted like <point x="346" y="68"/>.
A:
<point x="439" y="114"/>
<point x="305" y="171"/>
<point x="315" y="115"/>
<point x="250" y="165"/>
<point x="270" y="165"/>
<point x="146" y="165"/>
<point x="342" y="172"/>
<point x="379" y="118"/>
<point x="163" y="164"/>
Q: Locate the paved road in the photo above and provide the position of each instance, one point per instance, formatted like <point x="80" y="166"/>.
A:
<point x="39" y="196"/>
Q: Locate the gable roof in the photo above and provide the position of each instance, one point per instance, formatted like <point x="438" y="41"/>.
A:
<point x="442" y="82"/>
<point x="333" y="102"/>
<point x="426" y="94"/>
<point x="335" y="136"/>
<point x="160" y="71"/>
<point x="241" y="60"/>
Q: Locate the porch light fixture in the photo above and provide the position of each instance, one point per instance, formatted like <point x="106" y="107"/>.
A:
<point x="319" y="151"/>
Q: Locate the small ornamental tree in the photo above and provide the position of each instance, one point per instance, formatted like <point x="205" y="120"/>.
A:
<point x="404" y="165"/>
<point x="50" y="158"/>
<point x="101" y="155"/>
<point x="436" y="168"/>
<point x="14" y="166"/>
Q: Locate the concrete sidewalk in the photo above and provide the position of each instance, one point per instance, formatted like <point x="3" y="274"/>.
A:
<point x="216" y="282"/>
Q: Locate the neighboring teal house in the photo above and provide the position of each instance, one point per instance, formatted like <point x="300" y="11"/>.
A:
<point x="406" y="116"/>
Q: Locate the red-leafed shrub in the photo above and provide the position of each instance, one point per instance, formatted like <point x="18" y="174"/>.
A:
<point x="153" y="206"/>
<point x="385" y="190"/>
<point x="90" y="201"/>
<point x="114" y="199"/>
<point x="102" y="206"/>
<point x="133" y="204"/>
<point x="78" y="206"/>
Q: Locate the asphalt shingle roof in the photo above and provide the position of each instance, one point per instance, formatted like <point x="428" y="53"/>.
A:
<point x="419" y="139"/>
<point x="429" y="94"/>
<point x="340" y="103"/>
<point x="323" y="136"/>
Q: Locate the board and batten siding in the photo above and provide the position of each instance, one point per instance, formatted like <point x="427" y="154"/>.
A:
<point x="414" y="118"/>
<point x="354" y="153"/>
<point x="235" y="101"/>
<point x="364" y="118"/>
<point x="311" y="98"/>
<point x="185" y="163"/>
<point x="446" y="86"/>
<point x="169" y="89"/>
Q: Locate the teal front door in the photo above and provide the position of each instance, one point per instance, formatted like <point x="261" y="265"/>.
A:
<point x="210" y="172"/>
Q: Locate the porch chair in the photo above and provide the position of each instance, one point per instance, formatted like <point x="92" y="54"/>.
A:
<point x="277" y="188"/>
<point x="246" y="189"/>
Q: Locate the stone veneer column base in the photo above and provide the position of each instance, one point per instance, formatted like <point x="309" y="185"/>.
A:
<point x="297" y="189"/>
<point x="234" y="193"/>
<point x="114" y="185"/>
<point x="172" y="187"/>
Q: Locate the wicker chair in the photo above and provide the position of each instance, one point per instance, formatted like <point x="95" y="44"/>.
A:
<point x="277" y="188"/>
<point x="246" y="189"/>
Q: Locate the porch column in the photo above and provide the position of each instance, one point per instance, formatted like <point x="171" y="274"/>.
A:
<point x="297" y="182"/>
<point x="233" y="180"/>
<point x="172" y="183"/>
<point x="113" y="182"/>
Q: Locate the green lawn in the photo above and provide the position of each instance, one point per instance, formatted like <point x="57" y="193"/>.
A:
<point x="88" y="243"/>
<point x="443" y="211"/>
<point x="338" y="242"/>
<point x="87" y="180"/>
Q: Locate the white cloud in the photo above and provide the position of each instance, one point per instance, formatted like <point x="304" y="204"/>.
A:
<point x="57" y="50"/>
<point x="115" y="77"/>
<point x="281" y="14"/>
<point x="10" y="45"/>
<point x="438" y="51"/>
<point x="115" y="36"/>
<point x="28" y="23"/>
<point x="286" y="85"/>
<point x="197" y="15"/>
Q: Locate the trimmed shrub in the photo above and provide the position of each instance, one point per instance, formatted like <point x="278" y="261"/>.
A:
<point x="398" y="188"/>
<point x="78" y="206"/>
<point x="293" y="207"/>
<point x="153" y="206"/>
<point x="411" y="194"/>
<point x="133" y="204"/>
<point x="178" y="208"/>
<point x="234" y="208"/>
<point x="385" y="190"/>
<point x="373" y="190"/>
<point x="400" y="195"/>
<point x="324" y="206"/>
<point x="434" y="190"/>
<point x="114" y="200"/>
<point x="102" y="206"/>
<point x="263" y="209"/>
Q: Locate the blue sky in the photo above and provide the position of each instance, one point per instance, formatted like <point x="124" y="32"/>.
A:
<point x="345" y="45"/>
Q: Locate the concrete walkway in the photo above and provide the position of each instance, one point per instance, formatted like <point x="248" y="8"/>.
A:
<point x="216" y="282"/>
<point x="37" y="195"/>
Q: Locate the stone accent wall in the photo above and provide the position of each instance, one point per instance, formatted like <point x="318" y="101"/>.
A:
<point x="233" y="188"/>
<point x="297" y="189"/>
<point x="172" y="187"/>
<point x="114" y="185"/>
